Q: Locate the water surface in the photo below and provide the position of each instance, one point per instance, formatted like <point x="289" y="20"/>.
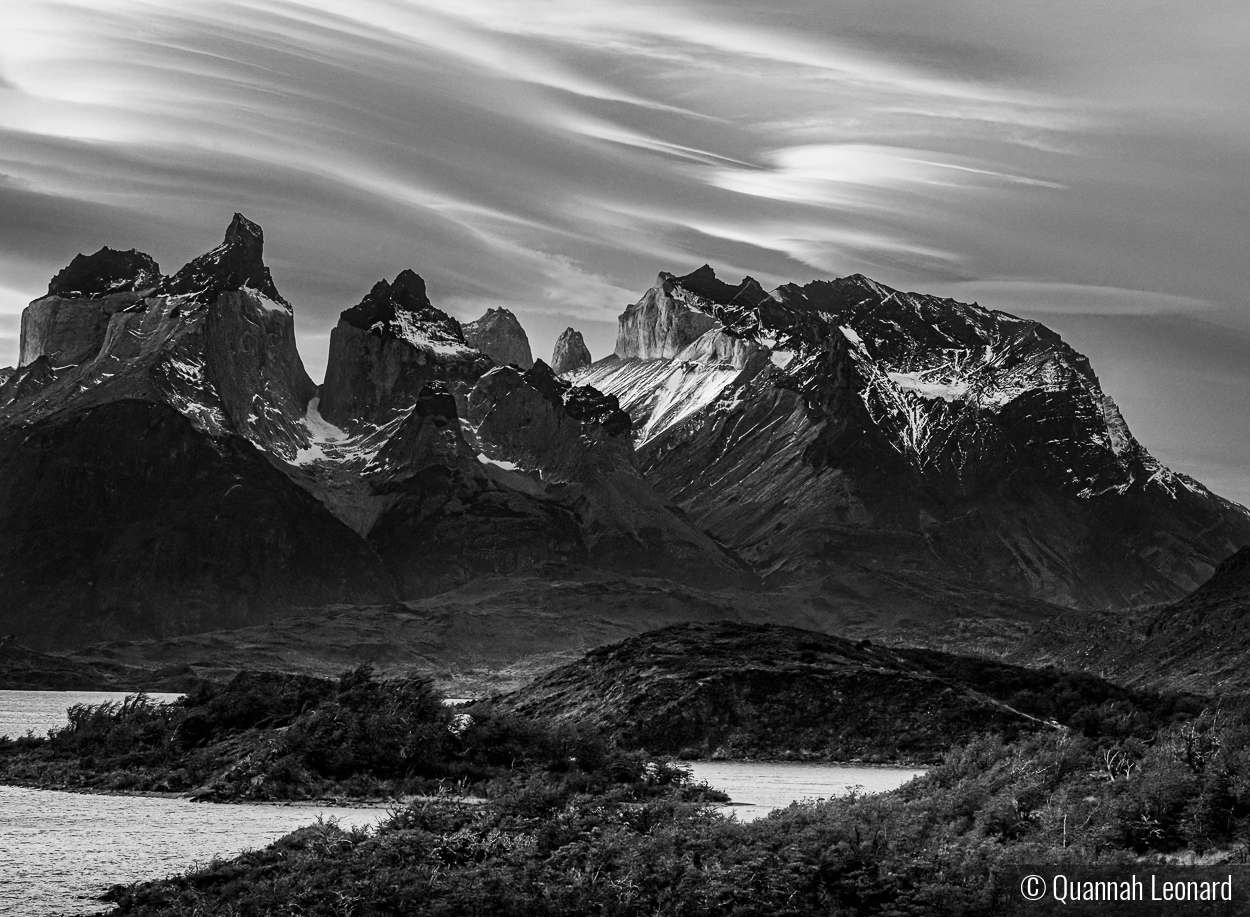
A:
<point x="758" y="788"/>
<point x="39" y="711"/>
<point x="60" y="851"/>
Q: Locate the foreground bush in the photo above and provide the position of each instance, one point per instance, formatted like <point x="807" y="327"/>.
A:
<point x="553" y="844"/>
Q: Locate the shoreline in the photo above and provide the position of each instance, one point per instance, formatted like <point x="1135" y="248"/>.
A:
<point x="813" y="762"/>
<point x="373" y="802"/>
<point x="376" y="802"/>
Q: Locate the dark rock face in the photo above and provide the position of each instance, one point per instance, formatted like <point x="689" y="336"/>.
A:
<point x="1231" y="581"/>
<point x="236" y="264"/>
<point x="384" y="351"/>
<point x="126" y="521"/>
<point x="105" y="272"/>
<point x="216" y="341"/>
<point x="27" y="380"/>
<point x="252" y="360"/>
<point x="570" y="353"/>
<point x="448" y="520"/>
<point x="576" y="439"/>
<point x="1201" y="642"/>
<point x="142" y="493"/>
<point x="70" y="331"/>
<point x="542" y="422"/>
<point x="69" y="324"/>
<point x="845" y="423"/>
<point x="499" y="335"/>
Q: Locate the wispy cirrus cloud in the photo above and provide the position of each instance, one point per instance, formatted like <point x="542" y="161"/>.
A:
<point x="1041" y="298"/>
<point x="550" y="156"/>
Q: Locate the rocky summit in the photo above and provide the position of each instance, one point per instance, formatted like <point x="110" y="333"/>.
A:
<point x="500" y="336"/>
<point x="823" y="430"/>
<point x="852" y="455"/>
<point x="185" y="474"/>
<point x="68" y="324"/>
<point x="140" y="487"/>
<point x="570" y="353"/>
<point x="386" y="348"/>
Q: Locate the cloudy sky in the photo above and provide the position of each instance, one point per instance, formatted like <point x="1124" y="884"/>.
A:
<point x="1083" y="163"/>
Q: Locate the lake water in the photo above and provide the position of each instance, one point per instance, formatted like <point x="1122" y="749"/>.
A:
<point x="758" y="788"/>
<point x="58" y="851"/>
<point x="39" y="711"/>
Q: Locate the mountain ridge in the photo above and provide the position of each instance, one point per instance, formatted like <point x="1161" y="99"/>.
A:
<point x="907" y="424"/>
<point x="836" y="443"/>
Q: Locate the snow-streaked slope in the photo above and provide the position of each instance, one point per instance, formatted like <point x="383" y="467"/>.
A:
<point x="657" y="394"/>
<point x="843" y="422"/>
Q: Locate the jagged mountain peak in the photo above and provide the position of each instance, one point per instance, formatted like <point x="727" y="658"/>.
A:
<point x="500" y="336"/>
<point x="236" y="264"/>
<point x="402" y="309"/>
<point x="409" y="289"/>
<point x="581" y="402"/>
<point x="382" y="302"/>
<point x="386" y="348"/>
<point x="979" y="440"/>
<point x="704" y="283"/>
<point x="216" y="342"/>
<point x="498" y="312"/>
<point x="106" y="271"/>
<point x="384" y="299"/>
<point x="244" y="232"/>
<point x="570" y="352"/>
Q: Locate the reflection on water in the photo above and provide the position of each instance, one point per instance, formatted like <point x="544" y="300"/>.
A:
<point x="39" y="711"/>
<point x="758" y="788"/>
<point x="61" y="850"/>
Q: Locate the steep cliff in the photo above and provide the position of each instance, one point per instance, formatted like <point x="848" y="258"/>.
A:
<point x="142" y="492"/>
<point x="570" y="353"/>
<point x="660" y="324"/>
<point x="385" y="349"/>
<point x="500" y="336"/>
<point x="68" y="325"/>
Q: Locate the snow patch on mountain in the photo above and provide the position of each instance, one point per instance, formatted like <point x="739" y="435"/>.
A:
<point x="424" y="335"/>
<point x="269" y="305"/>
<point x="498" y="463"/>
<point x="914" y="382"/>
<point x="332" y="447"/>
<point x="191" y="394"/>
<point x="659" y="394"/>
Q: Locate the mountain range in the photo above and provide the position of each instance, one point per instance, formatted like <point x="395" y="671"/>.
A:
<point x="839" y="452"/>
